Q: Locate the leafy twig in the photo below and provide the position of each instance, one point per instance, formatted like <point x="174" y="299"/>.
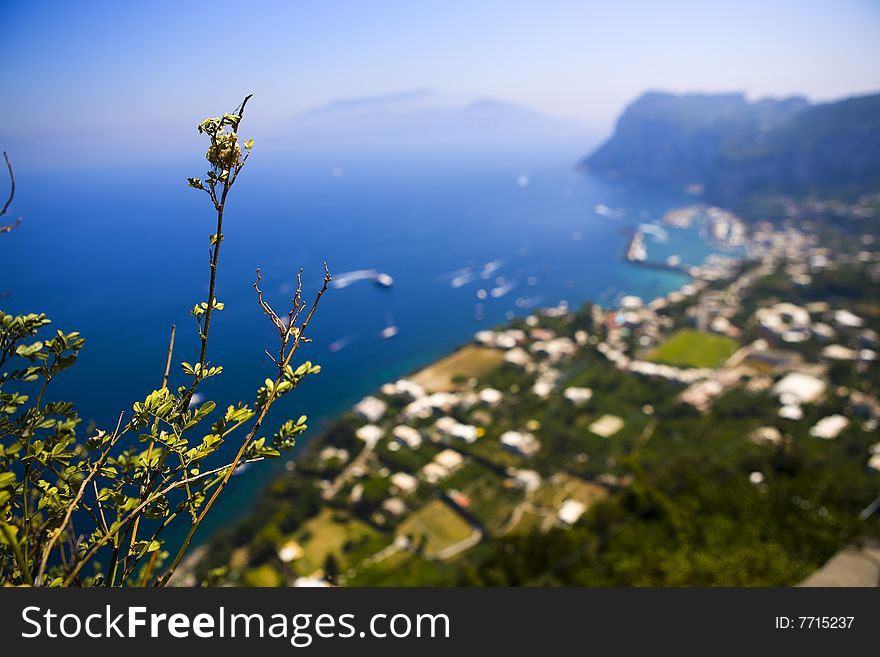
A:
<point x="56" y="533"/>
<point x="256" y="427"/>
<point x="9" y="227"/>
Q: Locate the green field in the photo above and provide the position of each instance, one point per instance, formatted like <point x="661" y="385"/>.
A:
<point x="265" y="576"/>
<point x="689" y="348"/>
<point x="563" y="486"/>
<point x="547" y="499"/>
<point x="531" y="522"/>
<point x="325" y="534"/>
<point x="438" y="525"/>
<point x="468" y="361"/>
<point x="491" y="502"/>
<point x="404" y="569"/>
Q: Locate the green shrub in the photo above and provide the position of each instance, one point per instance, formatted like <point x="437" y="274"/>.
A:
<point x="125" y="486"/>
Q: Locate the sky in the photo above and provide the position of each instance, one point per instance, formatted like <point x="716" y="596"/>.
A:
<point x="103" y="79"/>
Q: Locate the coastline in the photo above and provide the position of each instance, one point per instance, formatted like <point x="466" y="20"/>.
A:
<point x="451" y="366"/>
<point x="589" y="406"/>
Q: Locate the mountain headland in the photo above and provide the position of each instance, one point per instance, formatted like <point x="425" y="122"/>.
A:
<point x="738" y="152"/>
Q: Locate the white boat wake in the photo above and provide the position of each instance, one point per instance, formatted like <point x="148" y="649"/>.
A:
<point x="348" y="277"/>
<point x="657" y="232"/>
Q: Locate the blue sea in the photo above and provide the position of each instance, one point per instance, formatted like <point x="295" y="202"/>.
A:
<point x="121" y="254"/>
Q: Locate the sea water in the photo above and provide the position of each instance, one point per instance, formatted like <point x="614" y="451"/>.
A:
<point x="121" y="254"/>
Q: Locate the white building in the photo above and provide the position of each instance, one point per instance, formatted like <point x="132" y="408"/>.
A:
<point x="407" y="436"/>
<point x="451" y="427"/>
<point x="799" y="388"/>
<point x="847" y="319"/>
<point x="631" y="302"/>
<point x="520" y="442"/>
<point x="330" y="452"/>
<point x="570" y="511"/>
<point x="290" y="551"/>
<point x="518" y="357"/>
<point x="839" y="352"/>
<point x="791" y="412"/>
<point x="500" y="339"/>
<point x="546" y="382"/>
<point x="528" y="479"/>
<point x="404" y="482"/>
<point x="424" y="407"/>
<point x="555" y="349"/>
<point x="491" y="397"/>
<point x="404" y="388"/>
<point x="767" y="436"/>
<point x="310" y="582"/>
<point x="371" y="408"/>
<point x="783" y="317"/>
<point x="829" y="427"/>
<point x="578" y="396"/>
<point x="823" y="331"/>
<point x="369" y="433"/>
<point x="607" y="426"/>
<point x="434" y="472"/>
<point x="449" y="459"/>
<point x="394" y="507"/>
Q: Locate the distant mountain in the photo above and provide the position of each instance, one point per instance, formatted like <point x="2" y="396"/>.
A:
<point x="420" y="119"/>
<point x="404" y="101"/>
<point x="739" y="149"/>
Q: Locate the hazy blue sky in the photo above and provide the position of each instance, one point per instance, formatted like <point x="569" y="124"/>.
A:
<point x="105" y="75"/>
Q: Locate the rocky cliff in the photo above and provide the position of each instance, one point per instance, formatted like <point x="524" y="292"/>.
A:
<point x="739" y="149"/>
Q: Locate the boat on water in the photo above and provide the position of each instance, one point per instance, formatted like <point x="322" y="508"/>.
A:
<point x="390" y="329"/>
<point x="605" y="211"/>
<point x="462" y="277"/>
<point x="347" y="278"/>
<point x="341" y="343"/>
<point x="490" y="268"/>
<point x="502" y="289"/>
<point x="382" y="279"/>
<point x="655" y="231"/>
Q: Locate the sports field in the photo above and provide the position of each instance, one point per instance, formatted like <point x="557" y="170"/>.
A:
<point x="690" y="348"/>
<point x="438" y="525"/>
<point x="468" y="361"/>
